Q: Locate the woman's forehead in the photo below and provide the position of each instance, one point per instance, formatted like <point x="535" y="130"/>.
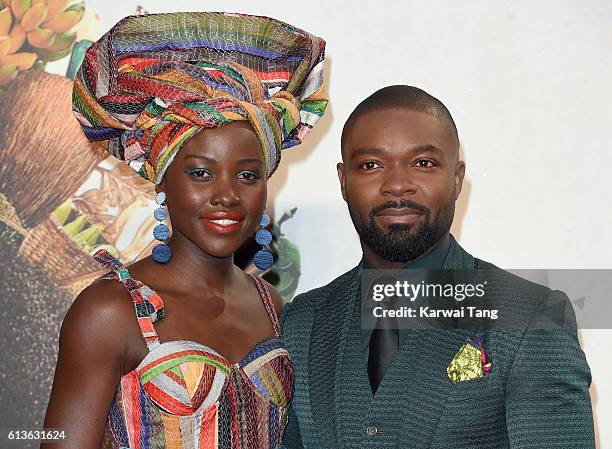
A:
<point x="236" y="140"/>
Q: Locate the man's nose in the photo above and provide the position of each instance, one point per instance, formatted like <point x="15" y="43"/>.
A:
<point x="397" y="182"/>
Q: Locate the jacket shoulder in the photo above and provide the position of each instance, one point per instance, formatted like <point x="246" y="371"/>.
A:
<point x="507" y="280"/>
<point x="525" y="303"/>
<point x="302" y="307"/>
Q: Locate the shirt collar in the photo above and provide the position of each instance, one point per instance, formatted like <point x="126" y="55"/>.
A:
<point x="433" y="260"/>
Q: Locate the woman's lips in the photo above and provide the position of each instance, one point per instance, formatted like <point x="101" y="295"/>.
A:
<point x="403" y="215"/>
<point x="223" y="223"/>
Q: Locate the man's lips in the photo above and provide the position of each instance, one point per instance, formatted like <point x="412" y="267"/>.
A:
<point x="223" y="222"/>
<point x="403" y="215"/>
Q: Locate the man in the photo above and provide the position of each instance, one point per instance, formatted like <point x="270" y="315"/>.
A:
<point x="359" y="385"/>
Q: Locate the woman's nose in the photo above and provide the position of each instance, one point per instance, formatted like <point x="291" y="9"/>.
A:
<point x="225" y="193"/>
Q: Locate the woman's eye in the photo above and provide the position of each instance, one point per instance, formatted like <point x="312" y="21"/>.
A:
<point x="424" y="163"/>
<point x="200" y="173"/>
<point x="369" y="165"/>
<point x="249" y="175"/>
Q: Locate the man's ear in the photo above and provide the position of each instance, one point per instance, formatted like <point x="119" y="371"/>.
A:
<point x="342" y="178"/>
<point x="459" y="175"/>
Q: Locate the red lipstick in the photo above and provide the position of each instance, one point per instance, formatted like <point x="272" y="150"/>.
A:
<point x="223" y="222"/>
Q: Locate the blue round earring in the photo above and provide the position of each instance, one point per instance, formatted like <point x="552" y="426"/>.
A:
<point x="263" y="259"/>
<point x="161" y="253"/>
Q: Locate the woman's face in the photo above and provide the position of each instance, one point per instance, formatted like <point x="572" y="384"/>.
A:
<point x="216" y="188"/>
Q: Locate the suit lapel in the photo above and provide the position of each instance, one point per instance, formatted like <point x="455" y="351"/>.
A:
<point x="327" y="343"/>
<point x="427" y="382"/>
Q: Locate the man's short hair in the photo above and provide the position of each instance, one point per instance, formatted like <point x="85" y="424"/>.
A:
<point x="402" y="96"/>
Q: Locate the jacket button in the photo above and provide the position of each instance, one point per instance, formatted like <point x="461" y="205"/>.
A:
<point x="372" y="430"/>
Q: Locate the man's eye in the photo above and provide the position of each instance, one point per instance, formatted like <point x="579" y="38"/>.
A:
<point x="424" y="163"/>
<point x="249" y="175"/>
<point x="369" y="165"/>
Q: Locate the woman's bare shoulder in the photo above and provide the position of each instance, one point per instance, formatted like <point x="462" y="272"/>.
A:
<point x="102" y="311"/>
<point x="104" y="298"/>
<point x="277" y="299"/>
<point x="92" y="347"/>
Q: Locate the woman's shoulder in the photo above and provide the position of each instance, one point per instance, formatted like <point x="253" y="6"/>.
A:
<point x="103" y="311"/>
<point x="104" y="297"/>
<point x="277" y="299"/>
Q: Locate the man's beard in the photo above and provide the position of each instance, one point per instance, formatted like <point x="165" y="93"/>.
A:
<point x="404" y="242"/>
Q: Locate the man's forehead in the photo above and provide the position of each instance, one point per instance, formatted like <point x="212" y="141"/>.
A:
<point x="383" y="150"/>
<point x="394" y="128"/>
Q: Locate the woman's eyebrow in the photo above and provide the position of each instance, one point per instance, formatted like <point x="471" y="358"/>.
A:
<point x="249" y="160"/>
<point x="210" y="160"/>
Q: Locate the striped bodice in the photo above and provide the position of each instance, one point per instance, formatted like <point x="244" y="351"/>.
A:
<point x="184" y="394"/>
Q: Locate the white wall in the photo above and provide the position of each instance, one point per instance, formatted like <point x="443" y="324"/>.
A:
<point x="528" y="85"/>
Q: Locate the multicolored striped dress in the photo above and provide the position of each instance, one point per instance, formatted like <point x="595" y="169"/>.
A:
<point x="184" y="394"/>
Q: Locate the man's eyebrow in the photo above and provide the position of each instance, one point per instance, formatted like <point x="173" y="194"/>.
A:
<point x="367" y="151"/>
<point x="420" y="149"/>
<point x="426" y="148"/>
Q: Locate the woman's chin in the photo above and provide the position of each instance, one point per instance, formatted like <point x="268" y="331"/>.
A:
<point x="220" y="252"/>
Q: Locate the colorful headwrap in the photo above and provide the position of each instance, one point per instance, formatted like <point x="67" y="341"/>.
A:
<point x="153" y="81"/>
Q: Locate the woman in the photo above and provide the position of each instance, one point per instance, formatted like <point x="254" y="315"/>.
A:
<point x="203" y="364"/>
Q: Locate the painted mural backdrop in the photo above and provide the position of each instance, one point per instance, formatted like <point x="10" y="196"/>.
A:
<point x="62" y="198"/>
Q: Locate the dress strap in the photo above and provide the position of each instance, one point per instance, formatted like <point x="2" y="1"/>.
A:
<point x="264" y="292"/>
<point x="147" y="303"/>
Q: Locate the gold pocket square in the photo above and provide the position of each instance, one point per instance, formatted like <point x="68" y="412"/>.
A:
<point x="470" y="362"/>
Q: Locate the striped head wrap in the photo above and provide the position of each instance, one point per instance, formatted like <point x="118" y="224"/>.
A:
<point x="153" y="81"/>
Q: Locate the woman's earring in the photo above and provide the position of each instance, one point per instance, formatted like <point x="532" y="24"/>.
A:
<point x="161" y="253"/>
<point x="263" y="259"/>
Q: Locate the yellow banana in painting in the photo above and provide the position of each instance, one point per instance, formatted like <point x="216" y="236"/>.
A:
<point x="55" y="7"/>
<point x="23" y="61"/>
<point x="110" y="248"/>
<point x="49" y="56"/>
<point x="62" y="42"/>
<point x="18" y="36"/>
<point x="43" y="26"/>
<point x="5" y="45"/>
<point x="41" y="38"/>
<point x="62" y="212"/>
<point x="8" y="73"/>
<point x="6" y="20"/>
<point x="34" y="17"/>
<point x="67" y="19"/>
<point x="76" y="226"/>
<point x="89" y="236"/>
<point x="20" y="7"/>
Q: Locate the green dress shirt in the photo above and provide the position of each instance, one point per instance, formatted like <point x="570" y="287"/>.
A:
<point x="431" y="261"/>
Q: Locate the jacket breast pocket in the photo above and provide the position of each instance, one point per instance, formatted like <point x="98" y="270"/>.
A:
<point x="472" y="406"/>
<point x="483" y="388"/>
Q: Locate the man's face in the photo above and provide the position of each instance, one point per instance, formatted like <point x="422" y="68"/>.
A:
<point x="400" y="177"/>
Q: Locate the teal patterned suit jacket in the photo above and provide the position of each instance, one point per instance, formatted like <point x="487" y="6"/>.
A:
<point x="535" y="397"/>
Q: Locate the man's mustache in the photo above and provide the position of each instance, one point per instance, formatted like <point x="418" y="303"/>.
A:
<point x="403" y="203"/>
